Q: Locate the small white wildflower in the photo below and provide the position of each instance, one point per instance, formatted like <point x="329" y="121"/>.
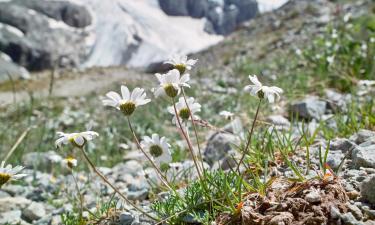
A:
<point x="330" y="59"/>
<point x="298" y="52"/>
<point x="328" y="44"/>
<point x="334" y="34"/>
<point x="257" y="89"/>
<point x="227" y="115"/>
<point x="128" y="102"/>
<point x="171" y="83"/>
<point x="181" y="63"/>
<point x="69" y="162"/>
<point x="183" y="110"/>
<point x="8" y="173"/>
<point x="347" y="17"/>
<point x="158" y="149"/>
<point x="364" y="47"/>
<point x="77" y="139"/>
<point x="372" y="40"/>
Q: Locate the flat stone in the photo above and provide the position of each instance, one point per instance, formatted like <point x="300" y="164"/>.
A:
<point x="341" y="144"/>
<point x="313" y="197"/>
<point x="126" y="218"/>
<point x="309" y="108"/>
<point x="368" y="190"/>
<point x="34" y="211"/>
<point x="364" y="156"/>
<point x="362" y="136"/>
<point x="11" y="217"/>
<point x="13" y="203"/>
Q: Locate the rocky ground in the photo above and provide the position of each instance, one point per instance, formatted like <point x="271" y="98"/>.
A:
<point x="346" y="196"/>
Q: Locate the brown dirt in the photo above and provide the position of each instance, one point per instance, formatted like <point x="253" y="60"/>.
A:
<point x="289" y="205"/>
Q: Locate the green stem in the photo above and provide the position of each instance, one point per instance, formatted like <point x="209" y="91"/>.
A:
<point x="195" y="129"/>
<point x="187" y="140"/>
<point x="163" y="178"/>
<point x="113" y="187"/>
<point x="246" y="150"/>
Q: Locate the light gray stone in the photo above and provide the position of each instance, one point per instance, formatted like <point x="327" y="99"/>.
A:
<point x="10" y="217"/>
<point x="309" y="108"/>
<point x="313" y="197"/>
<point x="126" y="218"/>
<point x="368" y="190"/>
<point x="364" y="156"/>
<point x="34" y="211"/>
<point x="218" y="146"/>
<point x="362" y="136"/>
<point x="342" y="144"/>
<point x="13" y="203"/>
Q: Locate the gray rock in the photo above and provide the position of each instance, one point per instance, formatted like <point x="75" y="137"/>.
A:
<point x="8" y="68"/>
<point x="337" y="102"/>
<point x="218" y="146"/>
<point x="313" y="197"/>
<point x="197" y="9"/>
<point x="32" y="43"/>
<point x="362" y="136"/>
<point x="342" y="144"/>
<point x="247" y="9"/>
<point x="364" y="156"/>
<point x="334" y="159"/>
<point x="174" y="7"/>
<point x="41" y="160"/>
<point x="34" y="211"/>
<point x="368" y="190"/>
<point x="68" y="12"/>
<point x="4" y="194"/>
<point x="10" y="217"/>
<point x="308" y="108"/>
<point x="355" y="211"/>
<point x="126" y="218"/>
<point x="138" y="195"/>
<point x="131" y="167"/>
<point x="349" y="219"/>
<point x="9" y="203"/>
<point x="223" y="20"/>
<point x="278" y="120"/>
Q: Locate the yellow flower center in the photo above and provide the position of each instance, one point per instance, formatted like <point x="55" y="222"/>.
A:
<point x="70" y="162"/>
<point x="156" y="151"/>
<point x="170" y="90"/>
<point x="180" y="67"/>
<point x="127" y="108"/>
<point x="184" y="113"/>
<point x="4" y="177"/>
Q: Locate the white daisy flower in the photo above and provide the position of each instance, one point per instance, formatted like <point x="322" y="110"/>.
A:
<point x="128" y="102"/>
<point x="77" y="139"/>
<point x="183" y="110"/>
<point x="171" y="83"/>
<point x="227" y="115"/>
<point x="263" y="91"/>
<point x="8" y="173"/>
<point x="181" y="63"/>
<point x="330" y="59"/>
<point x="158" y="149"/>
<point x="70" y="162"/>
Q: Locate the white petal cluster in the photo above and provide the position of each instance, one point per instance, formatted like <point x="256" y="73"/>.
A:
<point x="262" y="91"/>
<point x="183" y="110"/>
<point x="181" y="62"/>
<point x="170" y="83"/>
<point x="8" y="173"/>
<point x="226" y="114"/>
<point x="128" y="101"/>
<point x="77" y="139"/>
<point x="158" y="149"/>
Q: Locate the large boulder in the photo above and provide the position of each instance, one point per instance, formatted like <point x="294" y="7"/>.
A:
<point x="72" y="14"/>
<point x="309" y="108"/>
<point x="247" y="9"/>
<point x="197" y="9"/>
<point x="223" y="20"/>
<point x="368" y="190"/>
<point x="10" y="70"/>
<point x="174" y="7"/>
<point x="32" y="40"/>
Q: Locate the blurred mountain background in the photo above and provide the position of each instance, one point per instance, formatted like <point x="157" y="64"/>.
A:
<point x="39" y="35"/>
